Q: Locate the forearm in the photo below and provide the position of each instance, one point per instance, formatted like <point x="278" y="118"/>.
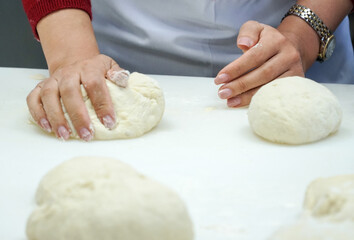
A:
<point x="332" y="12"/>
<point x="66" y="37"/>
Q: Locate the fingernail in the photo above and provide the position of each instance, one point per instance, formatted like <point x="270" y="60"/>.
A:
<point x="85" y="134"/>
<point x="108" y="122"/>
<point x="245" y="41"/>
<point x="45" y="125"/>
<point x="225" y="93"/>
<point x="234" y="102"/>
<point x="63" y="133"/>
<point x="222" y="78"/>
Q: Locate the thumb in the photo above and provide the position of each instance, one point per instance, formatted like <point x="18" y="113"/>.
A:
<point x="118" y="75"/>
<point x="249" y="35"/>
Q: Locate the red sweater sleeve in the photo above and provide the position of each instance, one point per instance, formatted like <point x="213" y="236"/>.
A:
<point x="37" y="9"/>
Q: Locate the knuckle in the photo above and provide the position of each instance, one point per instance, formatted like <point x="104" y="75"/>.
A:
<point x="68" y="74"/>
<point x="46" y="91"/>
<point x="86" y="65"/>
<point x="67" y="89"/>
<point x="29" y="98"/>
<point x="93" y="84"/>
<point x="281" y="39"/>
<point x="31" y="95"/>
<point x="77" y="117"/>
<point x="60" y="71"/>
<point x="294" y="56"/>
<point x="257" y="56"/>
<point x="241" y="85"/>
<point x="101" y="108"/>
<point x="268" y="72"/>
<point x="234" y="70"/>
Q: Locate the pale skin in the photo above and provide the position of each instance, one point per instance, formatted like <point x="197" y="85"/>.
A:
<point x="73" y="58"/>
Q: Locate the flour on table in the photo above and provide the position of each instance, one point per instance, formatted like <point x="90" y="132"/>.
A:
<point x="294" y="110"/>
<point x="91" y="198"/>
<point x="38" y="76"/>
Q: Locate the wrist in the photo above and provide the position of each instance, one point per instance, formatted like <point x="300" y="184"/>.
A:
<point x="67" y="37"/>
<point x="303" y="37"/>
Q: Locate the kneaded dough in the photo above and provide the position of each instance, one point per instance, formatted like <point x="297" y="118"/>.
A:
<point x="331" y="198"/>
<point x="328" y="212"/>
<point x="294" y="110"/>
<point x="139" y="108"/>
<point x="91" y="198"/>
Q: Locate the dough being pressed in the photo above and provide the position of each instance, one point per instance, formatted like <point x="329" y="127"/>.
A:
<point x="91" y="198"/>
<point x="294" y="110"/>
<point x="139" y="108"/>
<point x="328" y="212"/>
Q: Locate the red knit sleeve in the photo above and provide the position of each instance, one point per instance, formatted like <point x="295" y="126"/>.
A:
<point x="37" y="9"/>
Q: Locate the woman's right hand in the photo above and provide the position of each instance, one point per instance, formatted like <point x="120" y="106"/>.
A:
<point x="44" y="101"/>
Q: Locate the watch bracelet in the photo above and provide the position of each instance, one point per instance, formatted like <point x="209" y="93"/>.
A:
<point x="312" y="19"/>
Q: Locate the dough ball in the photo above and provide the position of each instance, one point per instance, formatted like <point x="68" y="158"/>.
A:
<point x="331" y="198"/>
<point x="312" y="229"/>
<point x="294" y="110"/>
<point x="91" y="198"/>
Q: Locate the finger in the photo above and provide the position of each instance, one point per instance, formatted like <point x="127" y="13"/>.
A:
<point x="287" y="59"/>
<point x="51" y="104"/>
<point x="262" y="75"/>
<point x="243" y="99"/>
<point x="97" y="90"/>
<point x="249" y="61"/>
<point x="117" y="75"/>
<point x="36" y="108"/>
<point x="113" y="65"/>
<point x="249" y="35"/>
<point x="70" y="91"/>
<point x="253" y="58"/>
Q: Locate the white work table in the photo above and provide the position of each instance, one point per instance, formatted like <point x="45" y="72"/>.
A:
<point x="235" y="185"/>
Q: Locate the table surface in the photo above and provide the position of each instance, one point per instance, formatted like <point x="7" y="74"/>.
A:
<point x="236" y="185"/>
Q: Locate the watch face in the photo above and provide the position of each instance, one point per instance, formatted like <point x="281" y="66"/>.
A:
<point x="330" y="47"/>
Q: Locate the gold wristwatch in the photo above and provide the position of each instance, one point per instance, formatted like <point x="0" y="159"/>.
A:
<point x="327" y="39"/>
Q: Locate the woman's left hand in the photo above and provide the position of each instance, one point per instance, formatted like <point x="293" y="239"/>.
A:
<point x="268" y="54"/>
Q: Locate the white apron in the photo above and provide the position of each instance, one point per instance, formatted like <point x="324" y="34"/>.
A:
<point x="196" y="37"/>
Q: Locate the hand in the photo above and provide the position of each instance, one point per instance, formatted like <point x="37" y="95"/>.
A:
<point x="268" y="54"/>
<point x="44" y="101"/>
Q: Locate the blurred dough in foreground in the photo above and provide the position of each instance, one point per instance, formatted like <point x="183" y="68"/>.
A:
<point x="91" y="198"/>
<point x="328" y="212"/>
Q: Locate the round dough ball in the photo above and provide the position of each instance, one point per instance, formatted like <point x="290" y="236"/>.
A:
<point x="90" y="198"/>
<point x="294" y="110"/>
<point x="331" y="198"/>
<point x="312" y="229"/>
<point x="139" y="108"/>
